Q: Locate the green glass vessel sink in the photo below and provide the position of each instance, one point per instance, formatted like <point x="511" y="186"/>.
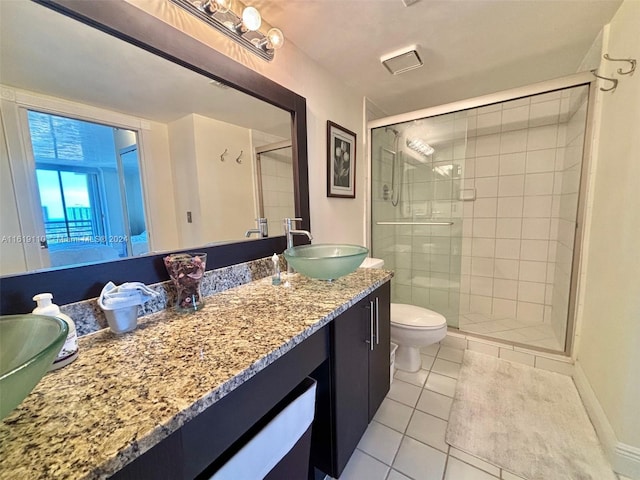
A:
<point x="325" y="261"/>
<point x="28" y="346"/>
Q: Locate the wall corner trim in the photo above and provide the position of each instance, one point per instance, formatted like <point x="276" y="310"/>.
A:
<point x="625" y="459"/>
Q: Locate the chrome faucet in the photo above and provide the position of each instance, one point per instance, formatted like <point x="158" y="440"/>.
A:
<point x="262" y="230"/>
<point x="289" y="232"/>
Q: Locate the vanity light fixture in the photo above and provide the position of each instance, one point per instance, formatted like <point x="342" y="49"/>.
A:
<point x="240" y="22"/>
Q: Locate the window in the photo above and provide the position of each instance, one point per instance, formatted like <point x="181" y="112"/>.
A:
<point x="88" y="179"/>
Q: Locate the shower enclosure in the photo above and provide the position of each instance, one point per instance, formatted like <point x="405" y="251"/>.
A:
<point x="475" y="207"/>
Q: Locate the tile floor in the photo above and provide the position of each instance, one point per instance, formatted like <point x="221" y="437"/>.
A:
<point x="536" y="334"/>
<point x="405" y="440"/>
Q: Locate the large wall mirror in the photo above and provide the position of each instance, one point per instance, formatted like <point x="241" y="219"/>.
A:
<point x="124" y="137"/>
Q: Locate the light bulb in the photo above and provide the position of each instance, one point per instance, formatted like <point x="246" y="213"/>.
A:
<point x="217" y="6"/>
<point x="251" y="18"/>
<point x="223" y="5"/>
<point x="276" y="38"/>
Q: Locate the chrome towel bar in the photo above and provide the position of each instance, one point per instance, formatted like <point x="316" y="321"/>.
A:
<point x="415" y="223"/>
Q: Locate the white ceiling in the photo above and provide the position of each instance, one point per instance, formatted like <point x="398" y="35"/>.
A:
<point x="469" y="48"/>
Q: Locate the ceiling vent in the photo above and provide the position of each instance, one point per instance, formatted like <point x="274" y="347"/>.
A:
<point x="402" y="61"/>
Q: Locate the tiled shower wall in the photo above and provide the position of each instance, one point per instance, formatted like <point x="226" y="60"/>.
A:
<point x="523" y="165"/>
<point x="277" y="182"/>
<point x="277" y="190"/>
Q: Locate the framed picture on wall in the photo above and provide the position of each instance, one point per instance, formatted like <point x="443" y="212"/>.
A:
<point x="341" y="161"/>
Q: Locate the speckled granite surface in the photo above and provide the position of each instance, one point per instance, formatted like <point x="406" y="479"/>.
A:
<point x="126" y="393"/>
<point x="89" y="317"/>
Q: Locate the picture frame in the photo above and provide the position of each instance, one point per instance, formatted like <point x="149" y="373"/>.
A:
<point x="341" y="161"/>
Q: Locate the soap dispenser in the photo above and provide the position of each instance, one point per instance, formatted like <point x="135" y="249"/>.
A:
<point x="69" y="350"/>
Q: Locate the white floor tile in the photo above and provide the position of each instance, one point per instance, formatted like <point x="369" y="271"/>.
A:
<point x="381" y="442"/>
<point x="535" y="333"/>
<point x="446" y="368"/>
<point x="441" y="384"/>
<point x="475" y="461"/>
<point x="395" y="475"/>
<point x="429" y="430"/>
<point x="451" y="354"/>
<point x="427" y="361"/>
<point x="411" y="425"/>
<point x="362" y="466"/>
<point x="431" y="349"/>
<point x="415" y="378"/>
<point x="458" y="470"/>
<point x="404" y="392"/>
<point x="419" y="461"/>
<point x="393" y="414"/>
<point x="454" y="341"/>
<point x="435" y="404"/>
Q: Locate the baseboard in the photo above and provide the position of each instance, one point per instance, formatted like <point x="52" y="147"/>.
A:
<point x="625" y="459"/>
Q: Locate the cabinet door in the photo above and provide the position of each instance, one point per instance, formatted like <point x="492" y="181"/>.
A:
<point x="350" y="367"/>
<point x="379" y="355"/>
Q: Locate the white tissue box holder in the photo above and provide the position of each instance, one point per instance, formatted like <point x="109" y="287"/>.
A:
<point x="122" y="320"/>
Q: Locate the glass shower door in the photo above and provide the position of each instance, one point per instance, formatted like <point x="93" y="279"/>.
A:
<point x="476" y="211"/>
<point x="416" y="210"/>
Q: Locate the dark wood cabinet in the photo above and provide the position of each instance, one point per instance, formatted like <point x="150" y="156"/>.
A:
<point x="379" y="356"/>
<point x="350" y="367"/>
<point x="360" y="349"/>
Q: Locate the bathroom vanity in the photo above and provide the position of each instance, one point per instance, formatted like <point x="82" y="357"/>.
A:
<point x="166" y="400"/>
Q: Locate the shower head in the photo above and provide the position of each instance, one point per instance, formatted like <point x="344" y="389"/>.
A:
<point x="396" y="133"/>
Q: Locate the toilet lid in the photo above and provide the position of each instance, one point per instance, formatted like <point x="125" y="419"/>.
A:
<point x="413" y="316"/>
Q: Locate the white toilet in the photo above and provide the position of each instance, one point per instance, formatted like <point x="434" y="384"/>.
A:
<point x="412" y="328"/>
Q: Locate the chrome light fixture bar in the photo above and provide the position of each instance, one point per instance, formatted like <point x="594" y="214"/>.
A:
<point x="237" y="21"/>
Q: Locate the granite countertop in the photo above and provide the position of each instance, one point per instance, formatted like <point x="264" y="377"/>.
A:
<point x="126" y="393"/>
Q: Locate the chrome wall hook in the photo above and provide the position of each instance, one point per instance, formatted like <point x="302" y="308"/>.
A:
<point x="239" y="157"/>
<point x="632" y="61"/>
<point x="614" y="80"/>
<point x="223" y="155"/>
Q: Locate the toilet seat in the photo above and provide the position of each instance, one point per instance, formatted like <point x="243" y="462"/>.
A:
<point x="411" y="316"/>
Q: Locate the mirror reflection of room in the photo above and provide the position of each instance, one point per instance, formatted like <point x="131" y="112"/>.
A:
<point x="275" y="183"/>
<point x="88" y="180"/>
<point x="180" y="163"/>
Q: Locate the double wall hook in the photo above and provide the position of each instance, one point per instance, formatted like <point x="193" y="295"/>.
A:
<point x="614" y="80"/>
<point x="223" y="154"/>
<point x="239" y="157"/>
<point x="632" y="61"/>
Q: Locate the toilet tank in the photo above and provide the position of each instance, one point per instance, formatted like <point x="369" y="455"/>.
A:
<point x="372" y="263"/>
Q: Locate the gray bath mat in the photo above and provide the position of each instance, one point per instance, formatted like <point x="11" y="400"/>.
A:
<point x="528" y="421"/>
